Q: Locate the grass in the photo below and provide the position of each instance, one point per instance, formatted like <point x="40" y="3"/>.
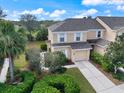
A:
<point x="33" y="44"/>
<point x="20" y="62"/>
<point x="81" y="80"/>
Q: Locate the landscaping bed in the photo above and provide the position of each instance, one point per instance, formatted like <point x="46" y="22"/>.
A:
<point x="25" y="86"/>
<point x="105" y="66"/>
<point x="107" y="74"/>
<point x="56" y="84"/>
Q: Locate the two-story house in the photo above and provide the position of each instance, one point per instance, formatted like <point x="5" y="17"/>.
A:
<point x="77" y="37"/>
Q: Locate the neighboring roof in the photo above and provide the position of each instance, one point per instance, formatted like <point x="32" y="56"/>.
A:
<point x="76" y="45"/>
<point x="113" y="22"/>
<point x="75" y="24"/>
<point x="102" y="42"/>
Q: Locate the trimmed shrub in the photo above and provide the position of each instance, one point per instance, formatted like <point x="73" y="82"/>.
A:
<point x="56" y="84"/>
<point x="119" y="75"/>
<point x="101" y="60"/>
<point x="55" y="61"/>
<point x="43" y="47"/>
<point x="24" y="87"/>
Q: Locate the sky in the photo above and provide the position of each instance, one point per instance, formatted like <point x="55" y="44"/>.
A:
<point x="61" y="9"/>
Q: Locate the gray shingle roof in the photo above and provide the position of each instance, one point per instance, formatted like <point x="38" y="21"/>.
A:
<point x="75" y="24"/>
<point x="113" y="22"/>
<point x="102" y="42"/>
<point x="76" y="45"/>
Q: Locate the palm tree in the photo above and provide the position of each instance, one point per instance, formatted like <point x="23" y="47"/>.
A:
<point x="11" y="44"/>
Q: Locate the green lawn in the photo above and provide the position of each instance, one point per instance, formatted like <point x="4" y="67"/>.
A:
<point x="20" y="62"/>
<point x="80" y="79"/>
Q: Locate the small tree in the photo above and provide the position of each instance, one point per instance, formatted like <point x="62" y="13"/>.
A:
<point x="33" y="56"/>
<point x="115" y="52"/>
<point x="55" y="61"/>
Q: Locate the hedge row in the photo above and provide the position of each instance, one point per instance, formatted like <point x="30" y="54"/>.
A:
<point x="101" y="60"/>
<point x="24" y="87"/>
<point x="56" y="84"/>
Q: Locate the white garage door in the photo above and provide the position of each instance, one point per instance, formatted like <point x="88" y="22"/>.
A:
<point x="80" y="55"/>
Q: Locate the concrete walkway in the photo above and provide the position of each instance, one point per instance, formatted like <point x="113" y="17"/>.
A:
<point x="97" y="79"/>
<point x="70" y="66"/>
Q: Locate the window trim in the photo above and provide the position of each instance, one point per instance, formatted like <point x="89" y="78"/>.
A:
<point x="97" y="34"/>
<point x="81" y="36"/>
<point x="65" y="37"/>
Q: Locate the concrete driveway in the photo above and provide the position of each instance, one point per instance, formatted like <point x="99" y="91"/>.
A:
<point x="97" y="79"/>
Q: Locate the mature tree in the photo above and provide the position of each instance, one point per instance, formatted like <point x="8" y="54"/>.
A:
<point x="2" y="14"/>
<point x="11" y="44"/>
<point x="30" y="22"/>
<point x="42" y="34"/>
<point x="115" y="52"/>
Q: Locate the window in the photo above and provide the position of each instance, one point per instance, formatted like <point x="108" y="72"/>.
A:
<point x="98" y="34"/>
<point x="62" y="37"/>
<point x="78" y="36"/>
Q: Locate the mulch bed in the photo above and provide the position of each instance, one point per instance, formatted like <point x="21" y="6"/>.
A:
<point x="69" y="63"/>
<point x="107" y="74"/>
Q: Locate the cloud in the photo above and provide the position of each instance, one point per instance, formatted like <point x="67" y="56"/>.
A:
<point x="57" y="13"/>
<point x="99" y="2"/>
<point x="121" y="8"/>
<point x="109" y="15"/>
<point x="35" y="12"/>
<point x="86" y="13"/>
<point x="14" y="15"/>
<point x="107" y="11"/>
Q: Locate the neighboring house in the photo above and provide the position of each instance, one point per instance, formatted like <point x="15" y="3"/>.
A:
<point x="77" y="37"/>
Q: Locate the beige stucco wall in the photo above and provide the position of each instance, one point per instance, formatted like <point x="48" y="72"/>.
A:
<point x="50" y="36"/>
<point x="79" y="55"/>
<point x="70" y="37"/>
<point x="99" y="49"/>
<point x="109" y="34"/>
<point x="91" y="35"/>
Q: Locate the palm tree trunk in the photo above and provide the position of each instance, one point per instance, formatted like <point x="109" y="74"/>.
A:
<point x="11" y="69"/>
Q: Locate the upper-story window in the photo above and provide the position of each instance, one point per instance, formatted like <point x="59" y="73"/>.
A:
<point x="62" y="37"/>
<point x="78" y="36"/>
<point x="98" y="34"/>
